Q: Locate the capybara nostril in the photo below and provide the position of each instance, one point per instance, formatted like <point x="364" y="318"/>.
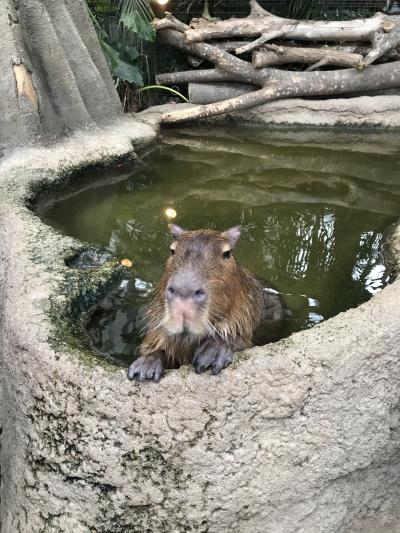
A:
<point x="200" y="295"/>
<point x="170" y="292"/>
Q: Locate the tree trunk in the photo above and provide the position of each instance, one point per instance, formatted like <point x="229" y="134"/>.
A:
<point x="50" y="63"/>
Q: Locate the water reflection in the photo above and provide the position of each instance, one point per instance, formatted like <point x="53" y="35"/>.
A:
<point x="313" y="219"/>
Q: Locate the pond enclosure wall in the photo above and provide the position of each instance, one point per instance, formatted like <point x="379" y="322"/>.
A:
<point x="302" y="435"/>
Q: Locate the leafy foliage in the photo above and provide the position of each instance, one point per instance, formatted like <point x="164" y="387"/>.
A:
<point x="123" y="62"/>
<point x="134" y="26"/>
<point x="136" y="17"/>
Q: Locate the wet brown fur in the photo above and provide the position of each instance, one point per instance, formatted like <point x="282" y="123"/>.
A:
<point x="235" y="298"/>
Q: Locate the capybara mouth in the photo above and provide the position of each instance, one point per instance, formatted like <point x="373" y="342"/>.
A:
<point x="185" y="327"/>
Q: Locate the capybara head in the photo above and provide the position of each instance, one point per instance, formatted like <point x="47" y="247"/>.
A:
<point x="201" y="280"/>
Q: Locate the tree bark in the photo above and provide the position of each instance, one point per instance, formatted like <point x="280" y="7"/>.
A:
<point x="228" y="46"/>
<point x="383" y="42"/>
<point x="242" y="70"/>
<point x="299" y="84"/>
<point x="50" y="62"/>
<point x="280" y="55"/>
<point x="195" y="76"/>
<point x="207" y="93"/>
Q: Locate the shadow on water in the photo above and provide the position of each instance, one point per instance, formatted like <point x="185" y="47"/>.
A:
<point x="314" y="208"/>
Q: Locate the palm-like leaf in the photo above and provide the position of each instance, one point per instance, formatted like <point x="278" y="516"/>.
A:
<point x="129" y="8"/>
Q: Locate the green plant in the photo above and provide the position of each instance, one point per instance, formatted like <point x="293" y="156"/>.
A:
<point x="122" y="47"/>
<point x="163" y="88"/>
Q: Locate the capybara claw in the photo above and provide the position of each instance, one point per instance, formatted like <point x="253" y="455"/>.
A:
<point x="147" y="367"/>
<point x="212" y="354"/>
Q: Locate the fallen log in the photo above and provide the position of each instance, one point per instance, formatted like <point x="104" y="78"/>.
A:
<point x="299" y="84"/>
<point x="260" y="22"/>
<point x="382" y="31"/>
<point x="195" y="76"/>
<point x="208" y="93"/>
<point x="242" y="70"/>
<point x="280" y="55"/>
<point x="228" y="46"/>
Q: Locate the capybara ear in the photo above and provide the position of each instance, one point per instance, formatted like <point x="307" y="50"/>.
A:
<point x="176" y="231"/>
<point x="232" y="235"/>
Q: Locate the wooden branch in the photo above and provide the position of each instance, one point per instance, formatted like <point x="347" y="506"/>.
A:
<point x="256" y="10"/>
<point x="207" y="93"/>
<point x="383" y="41"/>
<point x="260" y="22"/>
<point x="279" y="55"/>
<point x="229" y="46"/>
<point x="321" y="63"/>
<point x="382" y="31"/>
<point x="195" y="76"/>
<point x="325" y="83"/>
<point x="275" y="34"/>
<point x="243" y="70"/>
<point x="169" y="21"/>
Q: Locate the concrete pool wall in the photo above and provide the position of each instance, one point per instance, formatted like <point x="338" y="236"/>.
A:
<point x="299" y="436"/>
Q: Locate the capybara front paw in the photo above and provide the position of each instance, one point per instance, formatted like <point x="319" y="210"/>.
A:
<point x="147" y="367"/>
<point x="214" y="355"/>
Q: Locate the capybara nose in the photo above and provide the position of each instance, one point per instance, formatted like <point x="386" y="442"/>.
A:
<point x="174" y="291"/>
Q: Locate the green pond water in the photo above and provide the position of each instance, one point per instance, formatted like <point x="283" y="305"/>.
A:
<point x="314" y="209"/>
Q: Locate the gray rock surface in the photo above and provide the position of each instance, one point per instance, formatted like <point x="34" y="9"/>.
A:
<point x="361" y="111"/>
<point x="299" y="436"/>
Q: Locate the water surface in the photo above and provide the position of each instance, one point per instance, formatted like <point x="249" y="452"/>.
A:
<point x="314" y="209"/>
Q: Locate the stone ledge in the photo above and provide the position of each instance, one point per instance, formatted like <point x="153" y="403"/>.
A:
<point x="362" y="111"/>
<point x="301" y="435"/>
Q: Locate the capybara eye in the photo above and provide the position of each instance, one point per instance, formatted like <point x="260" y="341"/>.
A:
<point x="199" y="292"/>
<point x="172" y="251"/>
<point x="227" y="254"/>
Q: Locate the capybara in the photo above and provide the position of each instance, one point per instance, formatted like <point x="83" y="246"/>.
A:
<point x="205" y="308"/>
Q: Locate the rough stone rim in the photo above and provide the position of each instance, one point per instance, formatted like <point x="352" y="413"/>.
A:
<point x="118" y="143"/>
